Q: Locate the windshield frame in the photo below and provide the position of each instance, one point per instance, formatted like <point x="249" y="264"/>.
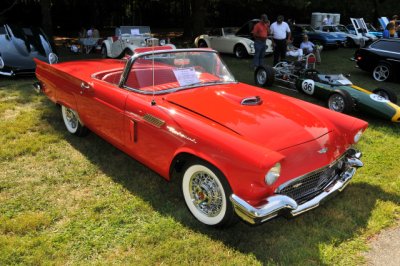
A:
<point x="130" y="62"/>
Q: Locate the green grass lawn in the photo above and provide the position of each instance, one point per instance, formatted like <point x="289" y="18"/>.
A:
<point x="69" y="200"/>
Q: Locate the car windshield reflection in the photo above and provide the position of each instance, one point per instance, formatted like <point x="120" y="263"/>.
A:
<point x="170" y="71"/>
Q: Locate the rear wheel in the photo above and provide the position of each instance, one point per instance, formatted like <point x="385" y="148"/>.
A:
<point x="72" y="122"/>
<point x="386" y="94"/>
<point x="206" y="193"/>
<point x="341" y="101"/>
<point x="104" y="52"/>
<point x="240" y="51"/>
<point x="264" y="76"/>
<point x="381" y="72"/>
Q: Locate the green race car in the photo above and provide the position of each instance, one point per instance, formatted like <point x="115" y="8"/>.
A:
<point x="339" y="92"/>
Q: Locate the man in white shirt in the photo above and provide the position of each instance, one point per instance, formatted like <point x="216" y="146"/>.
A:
<point x="327" y="20"/>
<point x="280" y="32"/>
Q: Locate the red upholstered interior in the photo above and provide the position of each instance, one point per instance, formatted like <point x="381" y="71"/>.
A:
<point x="141" y="78"/>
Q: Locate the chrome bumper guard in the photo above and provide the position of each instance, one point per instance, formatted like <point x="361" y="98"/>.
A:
<point x="283" y="204"/>
<point x="37" y="87"/>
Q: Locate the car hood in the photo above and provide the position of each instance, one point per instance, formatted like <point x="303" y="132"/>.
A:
<point x="277" y="123"/>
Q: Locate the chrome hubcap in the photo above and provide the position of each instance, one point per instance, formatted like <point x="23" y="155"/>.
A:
<point x="381" y="73"/>
<point x="205" y="194"/>
<point x="336" y="103"/>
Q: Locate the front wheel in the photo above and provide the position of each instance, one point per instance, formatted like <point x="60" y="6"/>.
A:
<point x="206" y="193"/>
<point x="387" y="94"/>
<point x="341" y="101"/>
<point x="72" y="122"/>
<point x="264" y="76"/>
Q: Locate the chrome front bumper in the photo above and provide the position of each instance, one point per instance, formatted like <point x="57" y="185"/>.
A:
<point x="279" y="204"/>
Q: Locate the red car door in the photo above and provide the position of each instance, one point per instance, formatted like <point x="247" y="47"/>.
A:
<point x="101" y="108"/>
<point x="153" y="136"/>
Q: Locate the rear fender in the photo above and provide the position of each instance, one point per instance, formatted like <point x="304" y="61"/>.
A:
<point x="107" y="44"/>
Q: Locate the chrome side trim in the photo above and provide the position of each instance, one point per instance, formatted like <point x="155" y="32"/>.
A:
<point x="10" y="74"/>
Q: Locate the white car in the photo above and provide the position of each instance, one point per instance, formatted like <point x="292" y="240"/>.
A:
<point x="127" y="39"/>
<point x="361" y="29"/>
<point x="228" y="40"/>
<point x="352" y="39"/>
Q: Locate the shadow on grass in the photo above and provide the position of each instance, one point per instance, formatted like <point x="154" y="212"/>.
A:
<point x="294" y="241"/>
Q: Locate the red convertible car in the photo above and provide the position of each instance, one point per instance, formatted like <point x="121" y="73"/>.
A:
<point x="241" y="151"/>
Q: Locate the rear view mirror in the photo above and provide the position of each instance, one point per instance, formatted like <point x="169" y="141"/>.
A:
<point x="181" y="61"/>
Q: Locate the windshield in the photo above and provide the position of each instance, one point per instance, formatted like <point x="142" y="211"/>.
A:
<point x="307" y="28"/>
<point x="169" y="71"/>
<point x="342" y="28"/>
<point x="132" y="30"/>
<point x="370" y="27"/>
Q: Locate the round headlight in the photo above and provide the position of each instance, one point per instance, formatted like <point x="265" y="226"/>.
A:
<point x="358" y="135"/>
<point x="53" y="58"/>
<point x="251" y="45"/>
<point x="143" y="43"/>
<point x="162" y="42"/>
<point x="273" y="174"/>
<point x="1" y="63"/>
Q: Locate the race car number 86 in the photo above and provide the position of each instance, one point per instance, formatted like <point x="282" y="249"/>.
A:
<point x="308" y="86"/>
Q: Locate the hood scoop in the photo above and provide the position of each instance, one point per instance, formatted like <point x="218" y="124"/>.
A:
<point x="253" y="100"/>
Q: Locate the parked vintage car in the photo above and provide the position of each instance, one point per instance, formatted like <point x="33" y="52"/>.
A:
<point x="18" y="47"/>
<point x="127" y="39"/>
<point x="231" y="41"/>
<point x="337" y="90"/>
<point x="237" y="148"/>
<point x="371" y="30"/>
<point x="333" y="40"/>
<point x="381" y="58"/>
<point x="352" y="39"/>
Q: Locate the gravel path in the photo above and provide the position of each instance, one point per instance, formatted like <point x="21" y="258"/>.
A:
<point x="385" y="248"/>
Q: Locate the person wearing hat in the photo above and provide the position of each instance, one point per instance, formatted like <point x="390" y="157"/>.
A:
<point x="260" y="34"/>
<point x="395" y="27"/>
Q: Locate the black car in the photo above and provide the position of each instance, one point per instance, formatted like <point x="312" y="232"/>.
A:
<point x="18" y="47"/>
<point x="381" y="58"/>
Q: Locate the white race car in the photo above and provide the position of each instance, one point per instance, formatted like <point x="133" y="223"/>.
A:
<point x="228" y="40"/>
<point x="127" y="39"/>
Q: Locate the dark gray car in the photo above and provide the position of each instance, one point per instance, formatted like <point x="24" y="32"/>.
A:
<point x="18" y="47"/>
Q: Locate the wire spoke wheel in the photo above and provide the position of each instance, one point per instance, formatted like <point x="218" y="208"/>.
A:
<point x="206" y="193"/>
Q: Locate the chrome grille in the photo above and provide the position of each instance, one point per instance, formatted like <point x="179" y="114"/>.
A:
<point x="309" y="186"/>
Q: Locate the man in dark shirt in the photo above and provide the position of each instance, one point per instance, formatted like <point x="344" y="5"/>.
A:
<point x="260" y="34"/>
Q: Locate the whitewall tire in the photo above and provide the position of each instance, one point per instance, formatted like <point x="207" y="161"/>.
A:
<point x="72" y="122"/>
<point x="206" y="193"/>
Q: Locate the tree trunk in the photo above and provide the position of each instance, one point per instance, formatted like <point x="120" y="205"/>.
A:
<point x="47" y="24"/>
<point x="199" y="15"/>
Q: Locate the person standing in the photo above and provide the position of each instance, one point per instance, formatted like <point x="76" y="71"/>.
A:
<point x="327" y="20"/>
<point x="260" y="34"/>
<point x="280" y="32"/>
<point x="395" y="27"/>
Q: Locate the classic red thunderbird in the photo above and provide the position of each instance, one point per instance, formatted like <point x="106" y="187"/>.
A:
<point x="239" y="150"/>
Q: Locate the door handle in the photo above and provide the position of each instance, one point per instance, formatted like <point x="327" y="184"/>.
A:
<point x="85" y="86"/>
